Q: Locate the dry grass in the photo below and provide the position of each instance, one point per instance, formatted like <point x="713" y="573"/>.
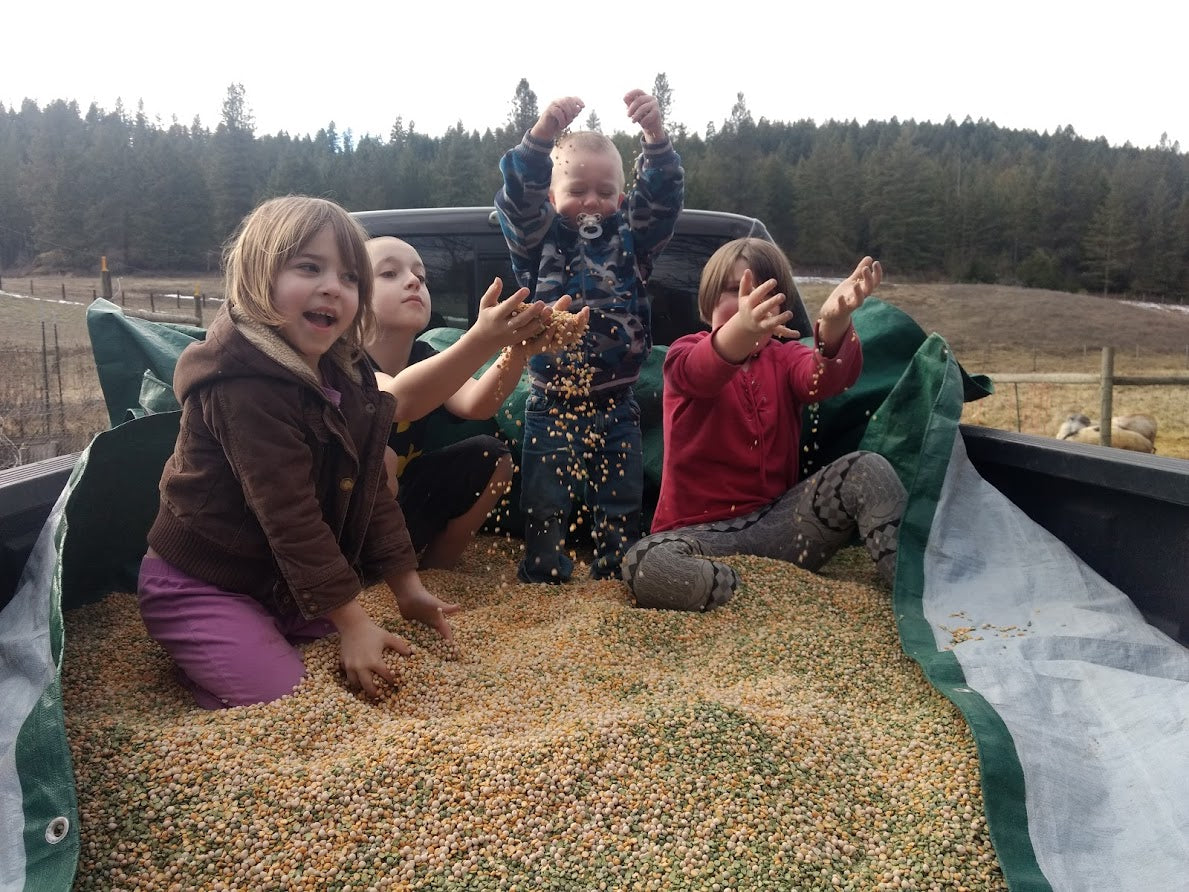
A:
<point x="996" y="329"/>
<point x="991" y="329"/>
<point x="50" y="399"/>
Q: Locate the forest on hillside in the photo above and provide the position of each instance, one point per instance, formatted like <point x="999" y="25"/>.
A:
<point x="967" y="201"/>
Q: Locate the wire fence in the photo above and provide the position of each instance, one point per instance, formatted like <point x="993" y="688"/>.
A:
<point x="1105" y="381"/>
<point x="1133" y="358"/>
<point x="51" y="402"/>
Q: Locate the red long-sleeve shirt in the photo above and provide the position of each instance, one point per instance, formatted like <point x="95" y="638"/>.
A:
<point x="732" y="432"/>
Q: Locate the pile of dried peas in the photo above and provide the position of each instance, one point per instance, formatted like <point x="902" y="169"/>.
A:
<point x="572" y="742"/>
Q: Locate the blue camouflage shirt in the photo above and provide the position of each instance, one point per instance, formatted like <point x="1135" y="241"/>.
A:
<point x="606" y="273"/>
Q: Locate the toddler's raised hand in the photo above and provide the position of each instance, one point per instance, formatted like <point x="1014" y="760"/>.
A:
<point x="644" y="110"/>
<point x="558" y="115"/>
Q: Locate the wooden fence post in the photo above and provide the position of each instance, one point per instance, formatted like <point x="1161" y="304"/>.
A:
<point x="1108" y="396"/>
<point x="45" y="375"/>
<point x="58" y="369"/>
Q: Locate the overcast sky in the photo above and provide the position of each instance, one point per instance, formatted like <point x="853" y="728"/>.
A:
<point x="1114" y="70"/>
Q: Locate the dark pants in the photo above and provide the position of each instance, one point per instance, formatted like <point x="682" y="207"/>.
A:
<point x="586" y="449"/>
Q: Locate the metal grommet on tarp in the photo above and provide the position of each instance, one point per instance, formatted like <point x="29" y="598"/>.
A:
<point x="56" y="830"/>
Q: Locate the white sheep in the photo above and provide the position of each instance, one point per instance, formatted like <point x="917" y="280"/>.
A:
<point x="1144" y="425"/>
<point x="1126" y="435"/>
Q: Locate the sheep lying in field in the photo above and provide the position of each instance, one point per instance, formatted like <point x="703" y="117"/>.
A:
<point x="1134" y="432"/>
<point x="1145" y="425"/>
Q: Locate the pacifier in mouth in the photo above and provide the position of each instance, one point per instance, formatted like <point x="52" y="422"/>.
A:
<point x="590" y="225"/>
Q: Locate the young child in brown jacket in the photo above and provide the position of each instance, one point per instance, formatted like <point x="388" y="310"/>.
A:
<point x="274" y="504"/>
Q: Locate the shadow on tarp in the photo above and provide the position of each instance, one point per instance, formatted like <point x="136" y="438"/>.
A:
<point x="111" y="507"/>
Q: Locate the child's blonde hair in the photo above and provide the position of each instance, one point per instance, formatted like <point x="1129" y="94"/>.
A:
<point x="764" y="259"/>
<point x="271" y="235"/>
<point x="590" y="141"/>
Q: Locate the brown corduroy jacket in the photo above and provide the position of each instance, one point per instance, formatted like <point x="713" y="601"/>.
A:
<point x="271" y="490"/>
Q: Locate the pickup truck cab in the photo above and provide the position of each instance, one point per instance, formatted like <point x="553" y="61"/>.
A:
<point x="464" y="250"/>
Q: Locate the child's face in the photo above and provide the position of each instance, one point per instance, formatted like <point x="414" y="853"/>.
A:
<point x="728" y="298"/>
<point x="318" y="296"/>
<point x="401" y="299"/>
<point x="586" y="182"/>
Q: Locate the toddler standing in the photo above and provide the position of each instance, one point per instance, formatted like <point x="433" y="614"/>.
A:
<point x="573" y="230"/>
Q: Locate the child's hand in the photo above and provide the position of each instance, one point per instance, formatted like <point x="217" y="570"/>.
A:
<point x="361" y="650"/>
<point x="644" y="110"/>
<point x="558" y="115"/>
<point x="417" y="604"/>
<point x="545" y="340"/>
<point x="759" y="312"/>
<point x="502" y="323"/>
<point x="848" y="296"/>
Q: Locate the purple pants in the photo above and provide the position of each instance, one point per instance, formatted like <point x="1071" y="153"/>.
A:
<point x="230" y="651"/>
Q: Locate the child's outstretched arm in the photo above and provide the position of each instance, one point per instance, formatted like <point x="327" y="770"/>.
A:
<point x="482" y="397"/>
<point x="656" y="198"/>
<point x="422" y="387"/>
<point x="833" y="320"/>
<point x="525" y="212"/>
<point x="757" y="318"/>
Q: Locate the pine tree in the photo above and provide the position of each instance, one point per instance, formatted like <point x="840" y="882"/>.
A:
<point x="663" y="95"/>
<point x="1110" y="244"/>
<point x="52" y="179"/>
<point x="524" y="108"/>
<point x="740" y="114"/>
<point x="233" y="178"/>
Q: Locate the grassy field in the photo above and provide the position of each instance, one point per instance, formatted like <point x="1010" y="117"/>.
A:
<point x="998" y="329"/>
<point x="992" y="329"/>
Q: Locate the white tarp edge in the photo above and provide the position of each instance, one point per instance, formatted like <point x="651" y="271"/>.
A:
<point x="1096" y="699"/>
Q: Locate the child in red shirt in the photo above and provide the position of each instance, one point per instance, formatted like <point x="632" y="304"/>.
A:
<point x="733" y="400"/>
